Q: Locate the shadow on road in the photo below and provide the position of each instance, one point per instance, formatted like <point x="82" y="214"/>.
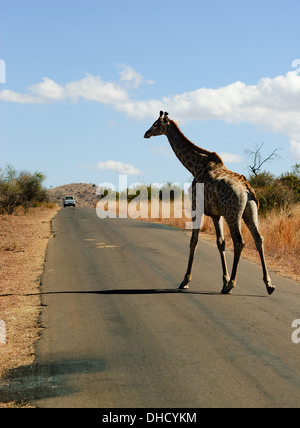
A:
<point x="36" y="381"/>
<point x="138" y="291"/>
<point x="134" y="291"/>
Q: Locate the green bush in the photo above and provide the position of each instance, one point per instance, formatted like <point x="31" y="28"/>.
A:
<point x="292" y="181"/>
<point x="20" y="189"/>
<point x="276" y="192"/>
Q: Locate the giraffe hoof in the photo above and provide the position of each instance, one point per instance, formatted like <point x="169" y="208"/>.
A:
<point x="270" y="289"/>
<point x="184" y="285"/>
<point x="226" y="290"/>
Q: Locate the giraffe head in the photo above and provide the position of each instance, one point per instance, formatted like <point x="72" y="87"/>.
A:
<point x="159" y="127"/>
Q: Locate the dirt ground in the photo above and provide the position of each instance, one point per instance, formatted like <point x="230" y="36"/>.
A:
<point x="23" y="243"/>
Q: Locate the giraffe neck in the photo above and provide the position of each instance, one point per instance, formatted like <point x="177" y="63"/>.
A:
<point x="190" y="155"/>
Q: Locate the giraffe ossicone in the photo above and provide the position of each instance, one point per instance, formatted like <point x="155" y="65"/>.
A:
<point x="226" y="195"/>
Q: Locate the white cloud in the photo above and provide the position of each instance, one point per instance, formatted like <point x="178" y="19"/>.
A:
<point x="91" y="88"/>
<point x="273" y="104"/>
<point x="94" y="89"/>
<point x="129" y="75"/>
<point x="230" y="157"/>
<point x="15" y="97"/>
<point x="132" y="77"/>
<point x="270" y="102"/>
<point x="295" y="150"/>
<point x="119" y="167"/>
<point x="48" y="89"/>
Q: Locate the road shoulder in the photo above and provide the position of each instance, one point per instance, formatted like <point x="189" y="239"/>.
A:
<point x="23" y="248"/>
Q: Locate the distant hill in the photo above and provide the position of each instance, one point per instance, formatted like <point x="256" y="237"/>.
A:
<point x="84" y="193"/>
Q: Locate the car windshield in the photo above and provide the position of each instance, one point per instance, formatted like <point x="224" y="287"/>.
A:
<point x="69" y="197"/>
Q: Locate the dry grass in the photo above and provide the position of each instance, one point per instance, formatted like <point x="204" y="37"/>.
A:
<point x="23" y="242"/>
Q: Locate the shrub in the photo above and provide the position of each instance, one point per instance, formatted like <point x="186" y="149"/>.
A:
<point x="23" y="189"/>
<point x="276" y="193"/>
<point x="292" y="181"/>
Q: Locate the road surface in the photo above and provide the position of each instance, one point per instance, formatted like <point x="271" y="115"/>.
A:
<point x="118" y="333"/>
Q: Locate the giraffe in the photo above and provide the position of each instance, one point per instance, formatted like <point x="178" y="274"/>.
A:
<point x="226" y="195"/>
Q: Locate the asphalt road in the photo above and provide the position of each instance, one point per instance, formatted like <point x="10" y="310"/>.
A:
<point x="118" y="333"/>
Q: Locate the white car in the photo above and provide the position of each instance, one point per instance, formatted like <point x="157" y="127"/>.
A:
<point x="69" y="201"/>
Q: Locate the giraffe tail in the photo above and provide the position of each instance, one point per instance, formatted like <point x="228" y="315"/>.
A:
<point x="252" y="194"/>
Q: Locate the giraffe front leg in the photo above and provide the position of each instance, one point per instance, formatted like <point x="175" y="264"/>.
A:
<point x="193" y="245"/>
<point x="218" y="222"/>
<point x="185" y="282"/>
<point x="228" y="287"/>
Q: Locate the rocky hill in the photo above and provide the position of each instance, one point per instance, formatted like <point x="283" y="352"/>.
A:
<point x="84" y="193"/>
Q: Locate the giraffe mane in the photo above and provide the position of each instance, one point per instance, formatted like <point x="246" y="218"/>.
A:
<point x="212" y="155"/>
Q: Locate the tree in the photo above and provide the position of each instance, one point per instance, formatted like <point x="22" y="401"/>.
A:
<point x="23" y="189"/>
<point x="258" y="160"/>
<point x="31" y="189"/>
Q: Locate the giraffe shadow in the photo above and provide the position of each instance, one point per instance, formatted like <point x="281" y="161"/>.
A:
<point x="145" y="291"/>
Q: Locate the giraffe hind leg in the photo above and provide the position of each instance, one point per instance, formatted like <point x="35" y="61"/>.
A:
<point x="251" y="219"/>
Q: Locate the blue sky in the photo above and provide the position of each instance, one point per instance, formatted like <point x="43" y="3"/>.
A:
<point x="85" y="79"/>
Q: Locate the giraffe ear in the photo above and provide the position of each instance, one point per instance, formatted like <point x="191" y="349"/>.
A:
<point x="161" y="113"/>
